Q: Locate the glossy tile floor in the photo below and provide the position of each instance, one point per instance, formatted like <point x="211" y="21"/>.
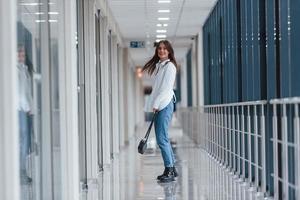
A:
<point x="133" y="176"/>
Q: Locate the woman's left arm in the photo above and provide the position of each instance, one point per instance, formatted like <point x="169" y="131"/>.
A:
<point x="166" y="85"/>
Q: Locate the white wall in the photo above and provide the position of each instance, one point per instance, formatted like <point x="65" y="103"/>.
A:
<point x="131" y="114"/>
<point x="121" y="97"/>
<point x="69" y="105"/>
<point x="9" y="145"/>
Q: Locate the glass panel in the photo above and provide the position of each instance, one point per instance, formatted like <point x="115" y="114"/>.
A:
<point x="40" y="164"/>
<point x="56" y="59"/>
<point x="29" y="96"/>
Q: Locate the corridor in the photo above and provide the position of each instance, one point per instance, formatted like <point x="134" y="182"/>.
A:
<point x="80" y="80"/>
<point x="133" y="176"/>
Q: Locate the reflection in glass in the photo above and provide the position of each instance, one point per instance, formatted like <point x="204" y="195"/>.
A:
<point x="25" y="111"/>
<point x="28" y="69"/>
<point x="38" y="97"/>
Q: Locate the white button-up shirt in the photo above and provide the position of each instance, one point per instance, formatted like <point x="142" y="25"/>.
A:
<point x="162" y="86"/>
<point x="24" y="88"/>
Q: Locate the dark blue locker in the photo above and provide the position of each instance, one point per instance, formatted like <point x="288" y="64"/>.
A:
<point x="189" y="77"/>
<point x="284" y="50"/>
<point x="205" y="60"/>
<point x="271" y="49"/>
<point x="249" y="49"/>
<point x="243" y="50"/>
<point x="271" y="85"/>
<point x="235" y="51"/>
<point x="295" y="47"/>
<point x="256" y="37"/>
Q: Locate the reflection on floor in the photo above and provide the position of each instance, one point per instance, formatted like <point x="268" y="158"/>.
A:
<point x="133" y="176"/>
<point x="31" y="190"/>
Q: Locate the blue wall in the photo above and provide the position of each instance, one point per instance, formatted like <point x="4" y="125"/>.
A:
<point x="252" y="52"/>
<point x="245" y="57"/>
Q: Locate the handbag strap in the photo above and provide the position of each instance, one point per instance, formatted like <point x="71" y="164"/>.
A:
<point x="150" y="127"/>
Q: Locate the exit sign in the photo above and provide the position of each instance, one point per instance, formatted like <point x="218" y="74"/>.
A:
<point x="137" y="44"/>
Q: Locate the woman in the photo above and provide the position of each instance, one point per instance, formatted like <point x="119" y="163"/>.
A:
<point x="163" y="67"/>
<point x="25" y="111"/>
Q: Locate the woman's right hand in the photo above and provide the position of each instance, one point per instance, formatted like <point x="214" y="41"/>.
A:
<point x="155" y="110"/>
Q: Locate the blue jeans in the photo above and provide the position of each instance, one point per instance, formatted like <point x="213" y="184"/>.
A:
<point x="161" y="124"/>
<point x="25" y="125"/>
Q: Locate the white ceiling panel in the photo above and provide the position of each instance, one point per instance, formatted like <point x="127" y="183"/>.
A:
<point x="138" y="19"/>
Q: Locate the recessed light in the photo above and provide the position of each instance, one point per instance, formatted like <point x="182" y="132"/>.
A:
<point x="53" y="13"/>
<point x="164" y="1"/>
<point x="161" y="31"/>
<point x="165" y="25"/>
<point x="163" y="11"/>
<point x="159" y="25"/>
<point x="40" y="21"/>
<point x="161" y="36"/>
<point x="31" y="4"/>
<point x="163" y="18"/>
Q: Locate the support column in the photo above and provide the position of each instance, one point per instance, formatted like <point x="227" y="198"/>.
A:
<point x="9" y="148"/>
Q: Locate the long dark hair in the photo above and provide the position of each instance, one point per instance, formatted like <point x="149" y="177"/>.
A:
<point x="149" y="67"/>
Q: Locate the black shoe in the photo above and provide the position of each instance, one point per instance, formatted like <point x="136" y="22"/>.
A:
<point x="175" y="172"/>
<point x="164" y="173"/>
<point x="168" y="176"/>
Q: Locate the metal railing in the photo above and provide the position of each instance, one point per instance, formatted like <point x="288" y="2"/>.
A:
<point x="286" y="148"/>
<point x="234" y="136"/>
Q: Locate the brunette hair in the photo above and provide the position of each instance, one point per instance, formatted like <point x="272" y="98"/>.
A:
<point x="149" y="67"/>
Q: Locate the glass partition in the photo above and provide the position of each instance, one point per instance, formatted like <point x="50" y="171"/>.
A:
<point x="38" y="63"/>
<point x="29" y="95"/>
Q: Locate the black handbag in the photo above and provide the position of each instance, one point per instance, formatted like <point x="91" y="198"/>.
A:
<point x="143" y="143"/>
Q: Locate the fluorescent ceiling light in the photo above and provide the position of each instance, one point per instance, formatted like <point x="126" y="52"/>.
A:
<point x="41" y="13"/>
<point x="165" y="25"/>
<point x="163" y="11"/>
<point x="35" y="4"/>
<point x="40" y="21"/>
<point x="157" y="40"/>
<point x="161" y="36"/>
<point x="164" y="1"/>
<point x="53" y="13"/>
<point x="159" y="25"/>
<point x="31" y="4"/>
<point x="161" y="31"/>
<point x="50" y="20"/>
<point x="163" y="18"/>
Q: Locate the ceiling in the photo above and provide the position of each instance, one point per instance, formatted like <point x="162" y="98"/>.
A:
<point x="138" y="19"/>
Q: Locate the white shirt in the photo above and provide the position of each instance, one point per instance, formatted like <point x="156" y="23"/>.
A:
<point x="162" y="89"/>
<point x="24" y="88"/>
